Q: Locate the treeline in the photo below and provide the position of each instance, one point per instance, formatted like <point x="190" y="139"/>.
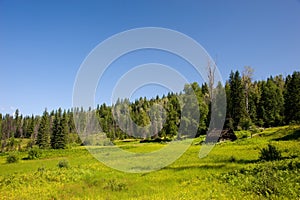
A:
<point x="250" y="104"/>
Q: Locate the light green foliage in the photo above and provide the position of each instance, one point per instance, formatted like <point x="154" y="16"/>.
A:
<point x="230" y="171"/>
<point x="273" y="180"/>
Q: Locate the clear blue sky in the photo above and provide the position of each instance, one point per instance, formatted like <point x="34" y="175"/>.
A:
<point x="43" y="43"/>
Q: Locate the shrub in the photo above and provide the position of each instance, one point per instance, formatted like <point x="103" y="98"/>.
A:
<point x="113" y="185"/>
<point x="270" y="153"/>
<point x="29" y="144"/>
<point x="12" y="158"/>
<point x="232" y="159"/>
<point x="273" y="180"/>
<point x="34" y="153"/>
<point x="63" y="164"/>
<point x="246" y="123"/>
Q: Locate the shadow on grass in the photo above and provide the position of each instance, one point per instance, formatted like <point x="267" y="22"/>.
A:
<point x="243" y="161"/>
<point x="206" y="166"/>
<point x="294" y="136"/>
<point x="212" y="166"/>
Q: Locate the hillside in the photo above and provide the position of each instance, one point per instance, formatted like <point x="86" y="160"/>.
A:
<point x="230" y="171"/>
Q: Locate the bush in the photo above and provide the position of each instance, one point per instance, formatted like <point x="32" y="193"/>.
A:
<point x="29" y="144"/>
<point x="270" y="153"/>
<point x="273" y="180"/>
<point x="34" y="153"/>
<point x="12" y="158"/>
<point x="246" y="123"/>
<point x="232" y="159"/>
<point x="113" y="185"/>
<point x="63" y="164"/>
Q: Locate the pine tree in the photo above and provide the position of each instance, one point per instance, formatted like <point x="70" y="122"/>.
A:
<point x="43" y="137"/>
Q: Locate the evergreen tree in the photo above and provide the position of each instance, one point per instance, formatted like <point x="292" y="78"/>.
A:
<point x="253" y="102"/>
<point x="271" y="104"/>
<point x="237" y="109"/>
<point x="18" y="123"/>
<point x="71" y="123"/>
<point x="8" y="129"/>
<point x="43" y="137"/>
<point x="30" y="127"/>
<point x="228" y="120"/>
<point x="196" y="108"/>
<point x="0" y="126"/>
<point x="64" y="130"/>
<point x="58" y="139"/>
<point x="292" y="98"/>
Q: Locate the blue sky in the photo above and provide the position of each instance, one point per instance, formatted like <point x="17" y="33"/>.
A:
<point x="43" y="43"/>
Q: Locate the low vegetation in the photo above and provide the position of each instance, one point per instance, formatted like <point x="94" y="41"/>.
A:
<point x="270" y="153"/>
<point x="232" y="170"/>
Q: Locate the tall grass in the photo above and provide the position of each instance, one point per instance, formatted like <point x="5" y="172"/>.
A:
<point x="232" y="170"/>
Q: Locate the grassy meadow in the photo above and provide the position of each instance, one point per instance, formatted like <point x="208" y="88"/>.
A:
<point x="232" y="170"/>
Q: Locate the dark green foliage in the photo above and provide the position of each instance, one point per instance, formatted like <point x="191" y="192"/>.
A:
<point x="294" y="136"/>
<point x="34" y="153"/>
<point x="18" y="125"/>
<point x="156" y="140"/>
<point x="114" y="185"/>
<point x="0" y="126"/>
<point x="63" y="164"/>
<point x="270" y="153"/>
<point x="60" y="130"/>
<point x="12" y="158"/>
<point x="43" y="137"/>
<point x="232" y="159"/>
<point x="236" y="109"/>
<point x="269" y="103"/>
<point x="30" y="127"/>
<point x="292" y="98"/>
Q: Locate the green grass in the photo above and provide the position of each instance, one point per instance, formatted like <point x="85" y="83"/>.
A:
<point x="230" y="171"/>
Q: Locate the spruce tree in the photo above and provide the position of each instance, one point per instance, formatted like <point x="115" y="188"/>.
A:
<point x="58" y="139"/>
<point x="43" y="137"/>
<point x="271" y="104"/>
<point x="237" y="109"/>
<point x="0" y="126"/>
<point x="292" y="98"/>
<point x="31" y="126"/>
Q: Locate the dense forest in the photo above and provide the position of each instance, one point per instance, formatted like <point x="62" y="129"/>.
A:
<point x="250" y="105"/>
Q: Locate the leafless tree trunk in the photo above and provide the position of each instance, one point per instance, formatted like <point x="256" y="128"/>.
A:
<point x="247" y="79"/>
<point x="211" y="69"/>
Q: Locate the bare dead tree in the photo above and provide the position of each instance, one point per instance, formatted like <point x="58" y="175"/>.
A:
<point x="247" y="79"/>
<point x="211" y="69"/>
